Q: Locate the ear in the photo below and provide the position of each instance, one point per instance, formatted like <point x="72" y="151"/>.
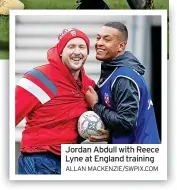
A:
<point x="122" y="45"/>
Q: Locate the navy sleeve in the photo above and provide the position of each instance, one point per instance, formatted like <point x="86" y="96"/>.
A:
<point x="126" y="100"/>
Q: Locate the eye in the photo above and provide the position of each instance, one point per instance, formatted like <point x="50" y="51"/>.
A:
<point x="98" y="38"/>
<point x="71" y="46"/>
<point x="82" y="47"/>
<point x="107" y="39"/>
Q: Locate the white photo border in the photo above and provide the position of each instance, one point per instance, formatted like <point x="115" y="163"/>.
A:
<point x="13" y="13"/>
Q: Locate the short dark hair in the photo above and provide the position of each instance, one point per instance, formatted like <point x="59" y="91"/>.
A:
<point x="120" y="27"/>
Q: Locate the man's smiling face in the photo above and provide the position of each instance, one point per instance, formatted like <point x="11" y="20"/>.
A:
<point x="75" y="54"/>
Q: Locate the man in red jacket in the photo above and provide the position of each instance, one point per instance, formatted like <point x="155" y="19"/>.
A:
<point x="51" y="98"/>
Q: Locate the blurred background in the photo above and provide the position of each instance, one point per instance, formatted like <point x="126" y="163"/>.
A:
<point x="57" y="4"/>
<point x="36" y="34"/>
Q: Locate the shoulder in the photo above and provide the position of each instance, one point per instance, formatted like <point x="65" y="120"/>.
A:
<point x="126" y="75"/>
<point x="39" y="84"/>
<point x="127" y="71"/>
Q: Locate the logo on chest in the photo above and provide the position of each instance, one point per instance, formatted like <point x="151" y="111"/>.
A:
<point x="107" y="100"/>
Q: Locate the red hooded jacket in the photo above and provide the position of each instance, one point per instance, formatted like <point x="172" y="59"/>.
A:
<point x="51" y="100"/>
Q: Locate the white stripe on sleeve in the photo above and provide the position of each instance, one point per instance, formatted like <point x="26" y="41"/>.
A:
<point x="34" y="89"/>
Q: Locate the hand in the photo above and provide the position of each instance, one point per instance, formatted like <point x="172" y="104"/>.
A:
<point x="91" y="97"/>
<point x="98" y="138"/>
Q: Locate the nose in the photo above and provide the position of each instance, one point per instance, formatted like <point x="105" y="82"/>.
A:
<point x="99" y="42"/>
<point x="77" y="50"/>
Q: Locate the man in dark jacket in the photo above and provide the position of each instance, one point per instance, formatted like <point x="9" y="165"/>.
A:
<point x="100" y="4"/>
<point x="124" y="104"/>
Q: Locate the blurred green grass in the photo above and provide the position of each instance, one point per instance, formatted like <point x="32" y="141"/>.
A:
<point x="58" y="4"/>
<point x="4" y="54"/>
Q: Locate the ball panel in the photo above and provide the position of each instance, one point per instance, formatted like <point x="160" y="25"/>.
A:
<point x="89" y="123"/>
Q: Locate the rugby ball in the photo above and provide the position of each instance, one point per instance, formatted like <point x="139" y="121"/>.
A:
<point x="89" y="123"/>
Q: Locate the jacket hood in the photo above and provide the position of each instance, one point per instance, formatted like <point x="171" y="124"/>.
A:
<point x="126" y="60"/>
<point x="53" y="57"/>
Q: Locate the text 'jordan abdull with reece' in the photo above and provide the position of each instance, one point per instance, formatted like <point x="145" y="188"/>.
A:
<point x="113" y="149"/>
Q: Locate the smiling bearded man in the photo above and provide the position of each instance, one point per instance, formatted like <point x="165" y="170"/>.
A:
<point x="51" y="97"/>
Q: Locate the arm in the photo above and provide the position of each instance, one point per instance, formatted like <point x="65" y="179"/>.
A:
<point x="25" y="102"/>
<point x="125" y="97"/>
<point x="33" y="90"/>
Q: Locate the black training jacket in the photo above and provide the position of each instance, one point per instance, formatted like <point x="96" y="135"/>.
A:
<point x="124" y="93"/>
